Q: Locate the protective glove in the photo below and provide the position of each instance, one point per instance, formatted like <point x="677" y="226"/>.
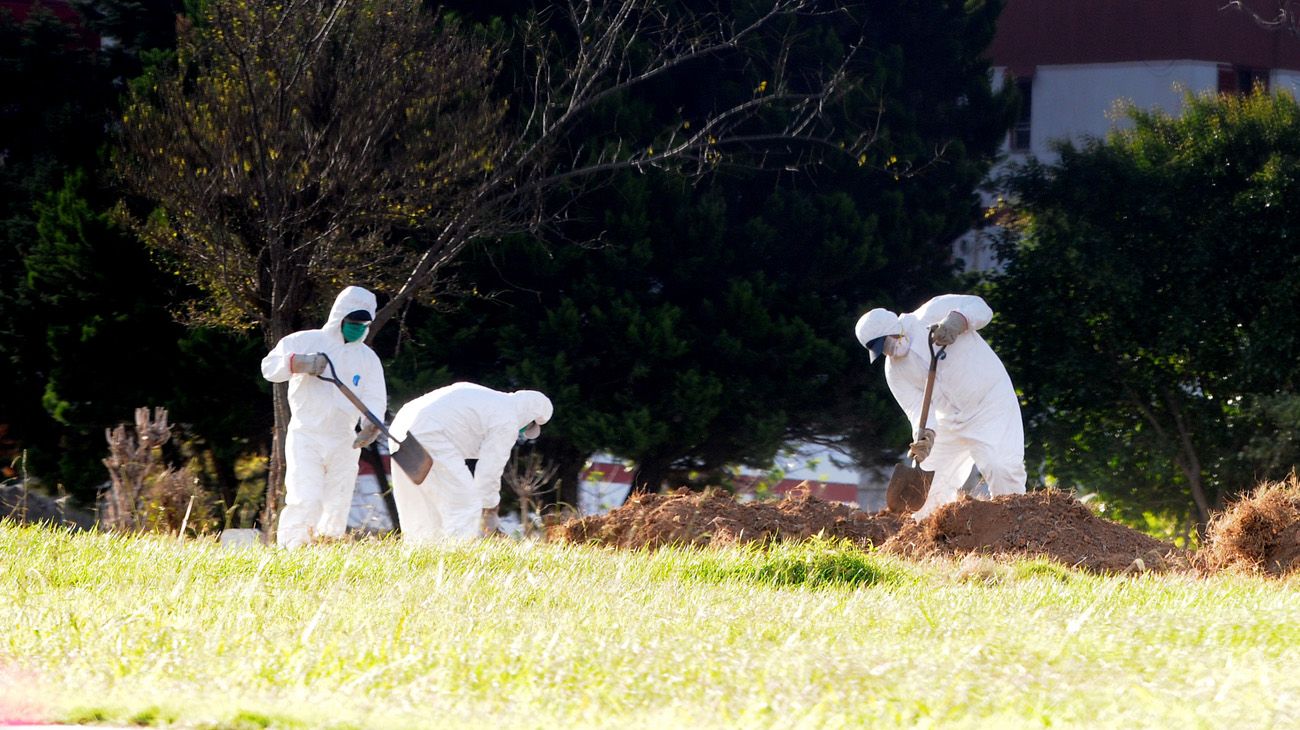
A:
<point x="920" y="448"/>
<point x="313" y="363"/>
<point x="366" y="436"/>
<point x="491" y="522"/>
<point x="945" y="333"/>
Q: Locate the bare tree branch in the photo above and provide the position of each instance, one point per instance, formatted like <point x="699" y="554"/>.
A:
<point x="621" y="47"/>
<point x="1285" y="17"/>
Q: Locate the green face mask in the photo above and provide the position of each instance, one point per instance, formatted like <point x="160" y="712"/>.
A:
<point x="353" y="331"/>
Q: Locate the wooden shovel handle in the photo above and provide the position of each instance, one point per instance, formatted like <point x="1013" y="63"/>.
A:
<point x="929" y="384"/>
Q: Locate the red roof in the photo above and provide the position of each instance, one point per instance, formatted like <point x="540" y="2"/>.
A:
<point x="1065" y="32"/>
<point x="20" y="9"/>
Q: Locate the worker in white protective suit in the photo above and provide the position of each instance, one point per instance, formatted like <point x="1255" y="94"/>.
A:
<point x="974" y="413"/>
<point x="459" y="422"/>
<point x="321" y="451"/>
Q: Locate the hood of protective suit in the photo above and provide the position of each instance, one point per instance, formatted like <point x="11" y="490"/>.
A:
<point x="532" y="406"/>
<point x="877" y="323"/>
<point x="348" y="301"/>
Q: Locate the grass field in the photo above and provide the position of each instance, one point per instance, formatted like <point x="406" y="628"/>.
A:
<point x="149" y="630"/>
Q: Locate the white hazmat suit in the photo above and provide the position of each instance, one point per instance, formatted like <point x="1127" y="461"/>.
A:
<point x="973" y="410"/>
<point x="461" y="421"/>
<point x="321" y="463"/>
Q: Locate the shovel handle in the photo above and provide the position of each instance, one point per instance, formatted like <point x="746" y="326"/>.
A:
<point x="935" y="357"/>
<point x="347" y="392"/>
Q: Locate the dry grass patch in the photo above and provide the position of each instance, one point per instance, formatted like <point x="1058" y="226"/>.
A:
<point x="1258" y="532"/>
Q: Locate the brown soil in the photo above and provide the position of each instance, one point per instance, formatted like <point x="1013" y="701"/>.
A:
<point x="1046" y="523"/>
<point x="713" y="518"/>
<point x="1258" y="532"/>
<point x="1049" y="523"/>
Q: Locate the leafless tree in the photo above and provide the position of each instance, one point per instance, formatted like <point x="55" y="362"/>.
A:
<point x="527" y="475"/>
<point x="1270" y="14"/>
<point x="294" y="146"/>
<point x="585" y="53"/>
<point x="303" y="145"/>
<point x="147" y="494"/>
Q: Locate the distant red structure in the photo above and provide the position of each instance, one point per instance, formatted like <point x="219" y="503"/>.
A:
<point x="1074" y="32"/>
<point x="20" y="10"/>
<point x="614" y="473"/>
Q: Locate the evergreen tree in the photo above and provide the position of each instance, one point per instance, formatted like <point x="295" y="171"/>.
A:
<point x="89" y="319"/>
<point x="709" y="323"/>
<point x="1147" y="310"/>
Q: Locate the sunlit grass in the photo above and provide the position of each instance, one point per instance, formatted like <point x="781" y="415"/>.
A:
<point x="150" y="630"/>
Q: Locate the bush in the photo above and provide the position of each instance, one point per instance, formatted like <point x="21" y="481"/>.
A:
<point x="146" y="494"/>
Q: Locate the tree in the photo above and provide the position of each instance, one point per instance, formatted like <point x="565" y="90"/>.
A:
<point x="303" y="144"/>
<point x="294" y="148"/>
<point x="54" y="100"/>
<point x="74" y="287"/>
<point x="1281" y="15"/>
<point x="76" y="291"/>
<point x="1146" y="310"/>
<point x="110" y="340"/>
<point x="578" y="61"/>
<point x="713" y="320"/>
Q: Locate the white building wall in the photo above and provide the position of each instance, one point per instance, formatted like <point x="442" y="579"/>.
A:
<point x="1083" y="100"/>
<point x="1288" y="81"/>
<point x="1071" y="102"/>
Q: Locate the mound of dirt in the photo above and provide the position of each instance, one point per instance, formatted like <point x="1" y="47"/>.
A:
<point x="1258" y="532"/>
<point x="713" y="518"/>
<point x="1049" y="523"/>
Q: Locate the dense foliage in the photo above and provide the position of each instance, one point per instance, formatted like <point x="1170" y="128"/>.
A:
<point x="706" y="324"/>
<point x="87" y="325"/>
<point x="683" y="324"/>
<point x="1147" y="310"/>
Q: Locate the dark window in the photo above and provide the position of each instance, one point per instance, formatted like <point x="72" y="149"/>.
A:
<point x="1241" y="79"/>
<point x="1020" y="132"/>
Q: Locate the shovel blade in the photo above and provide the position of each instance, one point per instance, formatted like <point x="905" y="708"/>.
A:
<point x="908" y="487"/>
<point x="413" y="458"/>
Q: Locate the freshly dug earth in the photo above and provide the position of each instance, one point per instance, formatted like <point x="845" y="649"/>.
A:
<point x="714" y="517"/>
<point x="1048" y="523"/>
<point x="1258" y="532"/>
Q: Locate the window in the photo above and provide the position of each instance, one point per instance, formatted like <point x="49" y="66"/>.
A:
<point x="1020" y="132"/>
<point x="1241" y="79"/>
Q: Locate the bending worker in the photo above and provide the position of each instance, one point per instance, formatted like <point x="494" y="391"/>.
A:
<point x="462" y="421"/>
<point x="974" y="414"/>
<point x="321" y="448"/>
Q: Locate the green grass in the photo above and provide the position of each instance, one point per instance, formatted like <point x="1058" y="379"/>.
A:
<point x="152" y="631"/>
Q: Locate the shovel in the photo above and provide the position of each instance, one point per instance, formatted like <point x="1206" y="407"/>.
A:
<point x="910" y="485"/>
<point x="410" y="454"/>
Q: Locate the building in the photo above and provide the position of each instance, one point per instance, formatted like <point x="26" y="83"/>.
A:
<point x="824" y="471"/>
<point x="1076" y="61"/>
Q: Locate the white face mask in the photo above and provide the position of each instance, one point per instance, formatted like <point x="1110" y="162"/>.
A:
<point x="897" y="346"/>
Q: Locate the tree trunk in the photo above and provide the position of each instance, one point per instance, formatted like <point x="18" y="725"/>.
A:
<point x="569" y="474"/>
<point x="1191" y="464"/>
<point x="275" y="470"/>
<point x="648" y="478"/>
<point x="276" y="331"/>
<point x="227" y="483"/>
<point x="562" y="488"/>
